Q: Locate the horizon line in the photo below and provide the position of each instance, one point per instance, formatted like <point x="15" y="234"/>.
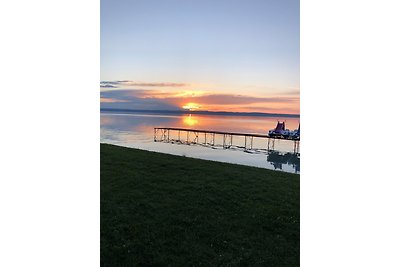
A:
<point x="205" y="112"/>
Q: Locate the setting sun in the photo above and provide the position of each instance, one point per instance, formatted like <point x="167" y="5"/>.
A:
<point x="191" y="106"/>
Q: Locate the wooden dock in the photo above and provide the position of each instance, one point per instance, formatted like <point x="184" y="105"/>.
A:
<point x="206" y="137"/>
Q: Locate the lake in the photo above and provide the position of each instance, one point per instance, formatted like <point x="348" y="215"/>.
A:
<point x="136" y="130"/>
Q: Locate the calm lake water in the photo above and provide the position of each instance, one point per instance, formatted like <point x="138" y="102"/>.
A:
<point x="137" y="130"/>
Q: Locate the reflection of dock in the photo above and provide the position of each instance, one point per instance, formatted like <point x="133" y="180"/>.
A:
<point x="217" y="138"/>
<point x="277" y="159"/>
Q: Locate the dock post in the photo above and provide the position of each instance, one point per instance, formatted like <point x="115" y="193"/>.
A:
<point x="223" y="145"/>
<point x="271" y="144"/>
<point x="296" y="147"/>
<point x="213" y="141"/>
<point x="163" y="134"/>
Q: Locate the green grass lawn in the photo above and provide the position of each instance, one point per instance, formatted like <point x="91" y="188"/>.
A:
<point x="165" y="210"/>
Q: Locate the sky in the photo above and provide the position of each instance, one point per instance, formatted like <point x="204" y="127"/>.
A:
<point x="217" y="55"/>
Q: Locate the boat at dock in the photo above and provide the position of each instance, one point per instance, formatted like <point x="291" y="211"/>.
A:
<point x="280" y="131"/>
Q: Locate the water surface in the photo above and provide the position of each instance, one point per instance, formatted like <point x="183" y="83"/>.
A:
<point x="137" y="130"/>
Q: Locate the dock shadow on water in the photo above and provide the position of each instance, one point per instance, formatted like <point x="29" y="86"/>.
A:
<point x="137" y="130"/>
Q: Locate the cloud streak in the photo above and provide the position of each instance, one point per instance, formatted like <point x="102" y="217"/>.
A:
<point x="116" y="84"/>
<point x="227" y="99"/>
<point x="107" y="86"/>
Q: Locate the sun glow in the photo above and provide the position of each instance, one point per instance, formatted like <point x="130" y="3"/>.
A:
<point x="189" y="93"/>
<point x="188" y="120"/>
<point x="191" y="106"/>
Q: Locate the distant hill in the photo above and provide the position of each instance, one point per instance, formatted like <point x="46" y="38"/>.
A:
<point x="202" y="112"/>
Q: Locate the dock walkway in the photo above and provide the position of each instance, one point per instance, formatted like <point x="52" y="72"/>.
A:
<point x="193" y="136"/>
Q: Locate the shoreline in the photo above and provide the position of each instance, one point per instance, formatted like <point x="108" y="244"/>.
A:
<point x="205" y="158"/>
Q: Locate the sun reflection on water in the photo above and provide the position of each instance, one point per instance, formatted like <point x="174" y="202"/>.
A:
<point x="189" y="120"/>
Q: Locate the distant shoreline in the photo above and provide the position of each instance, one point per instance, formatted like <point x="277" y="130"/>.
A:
<point x="204" y="112"/>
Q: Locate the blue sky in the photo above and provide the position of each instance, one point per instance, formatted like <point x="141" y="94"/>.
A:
<point x="219" y="47"/>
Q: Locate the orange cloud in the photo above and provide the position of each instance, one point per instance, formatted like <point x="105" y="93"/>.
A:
<point x="199" y="100"/>
<point x="110" y="100"/>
